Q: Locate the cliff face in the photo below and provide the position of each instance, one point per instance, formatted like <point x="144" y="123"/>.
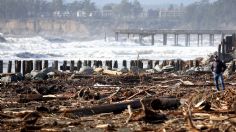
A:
<point x="45" y="27"/>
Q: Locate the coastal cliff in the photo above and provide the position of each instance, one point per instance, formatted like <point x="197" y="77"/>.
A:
<point x="70" y="28"/>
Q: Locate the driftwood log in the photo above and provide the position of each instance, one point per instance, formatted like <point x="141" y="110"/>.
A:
<point x="161" y="103"/>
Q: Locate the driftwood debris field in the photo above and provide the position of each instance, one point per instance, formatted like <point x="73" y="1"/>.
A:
<point x="162" y="102"/>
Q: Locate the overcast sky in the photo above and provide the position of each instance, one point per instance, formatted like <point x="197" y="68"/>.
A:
<point x="145" y="2"/>
<point x="149" y="2"/>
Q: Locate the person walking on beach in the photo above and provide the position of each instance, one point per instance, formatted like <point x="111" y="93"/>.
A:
<point x="218" y="67"/>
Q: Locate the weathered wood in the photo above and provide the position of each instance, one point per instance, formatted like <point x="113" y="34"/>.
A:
<point x="79" y="65"/>
<point x="9" y="67"/>
<point x="156" y="62"/>
<point x="140" y="64"/>
<point x="64" y="66"/>
<point x="164" y="63"/>
<point x="24" y="67"/>
<point x="161" y="103"/>
<point x="196" y="63"/>
<point x="1" y="66"/>
<point x="85" y="63"/>
<point x="72" y="66"/>
<point x="190" y="63"/>
<point x="124" y="63"/>
<point x="89" y="63"/>
<point x="132" y="63"/>
<point x="110" y="72"/>
<point x="108" y="63"/>
<point x="172" y="62"/>
<point x="39" y="65"/>
<point x="115" y="64"/>
<point x="17" y="66"/>
<point x="45" y="64"/>
<point x="55" y="65"/>
<point x="150" y="64"/>
<point x="95" y="64"/>
<point x="29" y="66"/>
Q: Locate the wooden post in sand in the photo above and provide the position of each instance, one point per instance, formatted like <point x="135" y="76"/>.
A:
<point x="95" y="63"/>
<point x="180" y="65"/>
<point x="115" y="64"/>
<point x="39" y="64"/>
<point x="55" y="65"/>
<point x="140" y="64"/>
<point x="1" y="66"/>
<point x="124" y="64"/>
<point x="108" y="63"/>
<point x="79" y="65"/>
<point x="164" y="63"/>
<point x="150" y="64"/>
<point x="64" y="66"/>
<point x="85" y="63"/>
<point x="172" y="62"/>
<point x="45" y="64"/>
<point x="156" y="62"/>
<point x="24" y="67"/>
<point x="132" y="63"/>
<point x="196" y="63"/>
<point x="177" y="65"/>
<point x="190" y="63"/>
<point x="72" y="66"/>
<point x="9" y="67"/>
<point x="89" y="63"/>
<point x="27" y="67"/>
<point x="100" y="63"/>
<point x="17" y="66"/>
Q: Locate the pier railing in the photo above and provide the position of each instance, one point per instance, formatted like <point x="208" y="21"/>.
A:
<point x="148" y="32"/>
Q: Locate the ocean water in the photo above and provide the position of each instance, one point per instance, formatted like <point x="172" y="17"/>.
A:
<point x="39" y="48"/>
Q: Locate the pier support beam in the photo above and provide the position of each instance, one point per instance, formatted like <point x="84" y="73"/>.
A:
<point x="222" y="36"/>
<point x="201" y="37"/>
<point x="164" y="39"/>
<point x="198" y="40"/>
<point x="140" y="38"/>
<point x="153" y="39"/>
<point x="187" y="40"/>
<point x="211" y="37"/>
<point x="116" y="36"/>
<point x="176" y="39"/>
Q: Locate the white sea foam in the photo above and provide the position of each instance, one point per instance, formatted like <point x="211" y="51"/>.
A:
<point x="40" y="48"/>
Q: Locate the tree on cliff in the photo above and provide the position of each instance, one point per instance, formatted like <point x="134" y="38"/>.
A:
<point x="88" y="7"/>
<point x="57" y="5"/>
<point x="136" y="8"/>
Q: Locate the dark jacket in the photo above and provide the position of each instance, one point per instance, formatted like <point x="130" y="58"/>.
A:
<point x="218" y="67"/>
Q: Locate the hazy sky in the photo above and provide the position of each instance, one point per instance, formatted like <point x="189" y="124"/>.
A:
<point x="145" y="2"/>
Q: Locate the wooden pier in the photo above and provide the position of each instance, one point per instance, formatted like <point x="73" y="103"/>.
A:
<point x="146" y="32"/>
